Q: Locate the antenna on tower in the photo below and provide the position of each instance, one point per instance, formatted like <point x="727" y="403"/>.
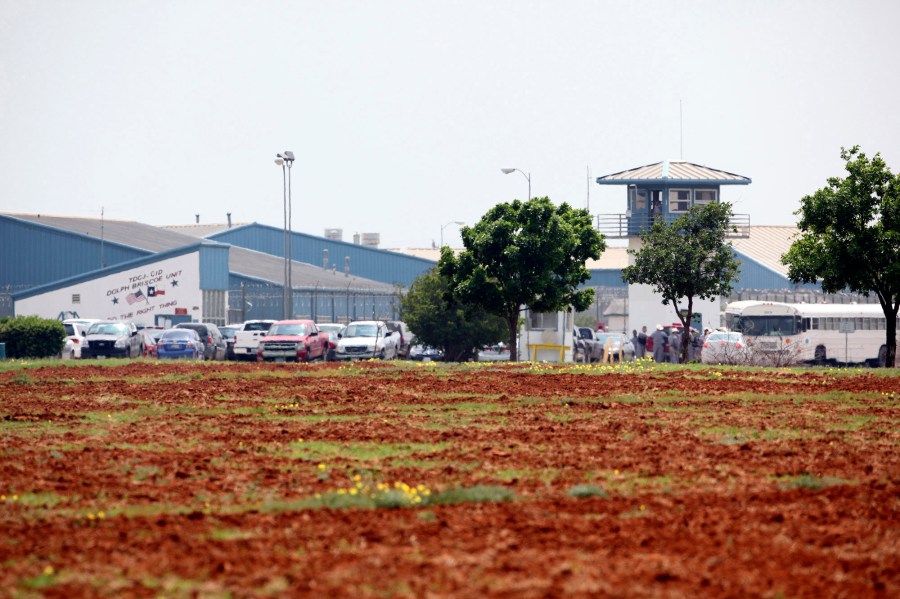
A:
<point x="102" y="262"/>
<point x="589" y="189"/>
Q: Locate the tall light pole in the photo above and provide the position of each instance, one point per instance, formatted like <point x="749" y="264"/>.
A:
<point x="287" y="160"/>
<point x="507" y="171"/>
<point x="452" y="222"/>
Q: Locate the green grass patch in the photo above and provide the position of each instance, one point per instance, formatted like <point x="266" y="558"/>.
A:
<point x="42" y="581"/>
<point x="325" y="451"/>
<point x="586" y="490"/>
<point x="33" y="428"/>
<point x="476" y="494"/>
<point x="809" y="481"/>
<point x="35" y="499"/>
<point x="729" y="435"/>
<point x="230" y="534"/>
<point x="851" y="423"/>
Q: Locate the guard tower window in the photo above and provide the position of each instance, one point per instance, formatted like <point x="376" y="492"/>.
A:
<point x="546" y="321"/>
<point x="679" y="200"/>
<point x="640" y="200"/>
<point x="703" y="197"/>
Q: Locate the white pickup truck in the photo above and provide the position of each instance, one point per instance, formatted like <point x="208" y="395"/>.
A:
<point x="247" y="336"/>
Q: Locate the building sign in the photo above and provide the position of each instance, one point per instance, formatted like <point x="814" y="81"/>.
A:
<point x="166" y="287"/>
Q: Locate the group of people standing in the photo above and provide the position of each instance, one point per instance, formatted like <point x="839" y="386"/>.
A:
<point x="665" y="345"/>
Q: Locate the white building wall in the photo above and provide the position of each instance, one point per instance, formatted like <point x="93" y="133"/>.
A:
<point x="645" y="308"/>
<point x="128" y="295"/>
<point x="561" y="335"/>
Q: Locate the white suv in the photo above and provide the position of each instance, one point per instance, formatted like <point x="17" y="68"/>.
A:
<point x="366" y="339"/>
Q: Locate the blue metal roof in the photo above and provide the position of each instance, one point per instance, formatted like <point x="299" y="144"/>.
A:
<point x="35" y="253"/>
<point x="385" y="266"/>
<point x="121" y="267"/>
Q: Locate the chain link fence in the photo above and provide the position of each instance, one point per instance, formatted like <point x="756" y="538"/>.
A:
<point x="266" y="301"/>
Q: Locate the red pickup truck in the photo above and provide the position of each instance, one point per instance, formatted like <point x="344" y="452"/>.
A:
<point x="292" y="341"/>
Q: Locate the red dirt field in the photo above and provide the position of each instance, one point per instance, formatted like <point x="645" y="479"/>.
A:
<point x="205" y="480"/>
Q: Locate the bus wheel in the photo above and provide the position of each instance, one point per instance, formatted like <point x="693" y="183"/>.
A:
<point x="820" y="356"/>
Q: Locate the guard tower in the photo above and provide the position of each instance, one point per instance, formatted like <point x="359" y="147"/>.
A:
<point x="663" y="192"/>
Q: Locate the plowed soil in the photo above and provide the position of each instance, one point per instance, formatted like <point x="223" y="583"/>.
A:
<point x="182" y="480"/>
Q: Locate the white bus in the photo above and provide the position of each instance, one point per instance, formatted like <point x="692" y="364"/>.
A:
<point x="812" y="333"/>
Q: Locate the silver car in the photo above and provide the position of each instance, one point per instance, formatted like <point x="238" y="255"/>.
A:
<point x="615" y="347"/>
<point x="725" y="347"/>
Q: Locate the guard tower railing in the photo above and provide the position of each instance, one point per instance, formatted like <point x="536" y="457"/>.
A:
<point x="623" y="226"/>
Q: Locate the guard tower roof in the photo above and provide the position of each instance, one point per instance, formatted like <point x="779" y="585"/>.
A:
<point x="673" y="171"/>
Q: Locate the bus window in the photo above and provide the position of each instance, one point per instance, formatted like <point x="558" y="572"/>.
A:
<point x="771" y="326"/>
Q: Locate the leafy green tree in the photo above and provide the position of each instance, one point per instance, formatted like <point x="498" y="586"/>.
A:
<point x="850" y="237"/>
<point x="687" y="258"/>
<point x="437" y="320"/>
<point x="524" y="254"/>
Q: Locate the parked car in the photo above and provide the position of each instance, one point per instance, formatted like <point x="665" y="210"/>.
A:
<point x="585" y="346"/>
<point x="406" y="338"/>
<point x="617" y="346"/>
<point x="76" y="330"/>
<point x="494" y="353"/>
<point x="334" y="332"/>
<point x="725" y="347"/>
<point x="229" y="335"/>
<point x="112" y="339"/>
<point x="180" y="343"/>
<point x="367" y="339"/>
<point x="151" y="340"/>
<point x="246" y="338"/>
<point x="75" y="334"/>
<point x="292" y="341"/>
<point x="213" y="342"/>
<point x="425" y="353"/>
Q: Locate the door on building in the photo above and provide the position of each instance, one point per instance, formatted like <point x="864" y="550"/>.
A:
<point x="655" y="205"/>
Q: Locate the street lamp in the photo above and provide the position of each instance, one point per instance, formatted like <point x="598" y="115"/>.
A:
<point x="287" y="160"/>
<point x="527" y="176"/>
<point x="452" y="222"/>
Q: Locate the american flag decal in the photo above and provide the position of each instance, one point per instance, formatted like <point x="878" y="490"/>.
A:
<point x="134" y="297"/>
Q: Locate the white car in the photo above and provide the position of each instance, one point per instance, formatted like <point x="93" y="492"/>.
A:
<point x="367" y="339"/>
<point x="725" y="347"/>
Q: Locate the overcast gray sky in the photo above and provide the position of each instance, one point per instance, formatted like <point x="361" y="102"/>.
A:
<point x="401" y="114"/>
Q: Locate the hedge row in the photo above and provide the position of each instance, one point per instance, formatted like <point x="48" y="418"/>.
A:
<point x="32" y="337"/>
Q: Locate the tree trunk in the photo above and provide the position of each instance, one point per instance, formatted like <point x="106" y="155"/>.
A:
<point x="512" y="321"/>
<point x="890" y="310"/>
<point x="891" y="327"/>
<point x="686" y="333"/>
